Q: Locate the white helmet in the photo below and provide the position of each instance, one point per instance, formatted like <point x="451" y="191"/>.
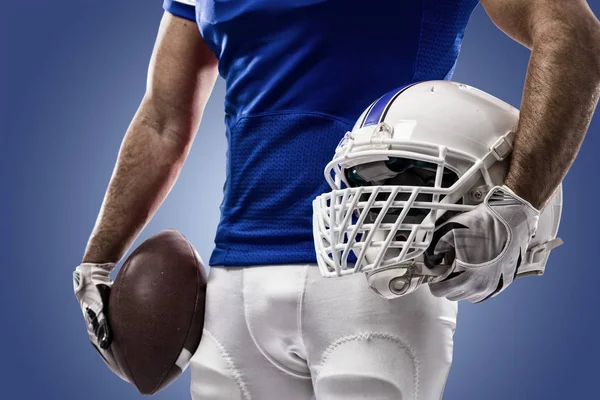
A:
<point x="416" y="157"/>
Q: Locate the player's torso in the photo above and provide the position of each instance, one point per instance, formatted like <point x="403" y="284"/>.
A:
<point x="298" y="73"/>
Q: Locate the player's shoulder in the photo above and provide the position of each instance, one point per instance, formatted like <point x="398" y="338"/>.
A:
<point x="181" y="8"/>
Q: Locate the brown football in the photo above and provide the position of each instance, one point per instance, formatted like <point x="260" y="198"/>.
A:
<point x="156" y="310"/>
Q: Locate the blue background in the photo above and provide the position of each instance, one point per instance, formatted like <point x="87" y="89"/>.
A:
<point x="72" y="75"/>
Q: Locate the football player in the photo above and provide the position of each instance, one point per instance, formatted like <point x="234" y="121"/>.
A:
<point x="298" y="74"/>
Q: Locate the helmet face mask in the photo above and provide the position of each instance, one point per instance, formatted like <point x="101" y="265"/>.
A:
<point x="385" y="217"/>
<point x="435" y="152"/>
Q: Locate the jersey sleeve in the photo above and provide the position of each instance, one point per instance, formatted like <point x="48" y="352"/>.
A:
<point x="181" y="8"/>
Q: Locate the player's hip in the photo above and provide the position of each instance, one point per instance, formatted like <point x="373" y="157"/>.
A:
<point x="290" y="310"/>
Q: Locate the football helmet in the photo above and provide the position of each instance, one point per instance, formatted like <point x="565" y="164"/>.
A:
<point x="416" y="157"/>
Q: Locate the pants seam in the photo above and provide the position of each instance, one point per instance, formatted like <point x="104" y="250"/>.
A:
<point x="300" y="303"/>
<point x="255" y="341"/>
<point x="237" y="376"/>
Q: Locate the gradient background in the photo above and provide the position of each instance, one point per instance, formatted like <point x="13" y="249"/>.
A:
<point x="71" y="79"/>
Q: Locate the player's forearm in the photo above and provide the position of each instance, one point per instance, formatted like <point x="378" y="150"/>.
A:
<point x="561" y="93"/>
<point x="148" y="164"/>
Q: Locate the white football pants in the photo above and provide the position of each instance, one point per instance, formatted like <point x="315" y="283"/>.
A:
<point x="286" y="333"/>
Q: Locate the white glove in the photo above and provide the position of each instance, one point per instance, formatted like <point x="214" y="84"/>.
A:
<point x="92" y="285"/>
<point x="488" y="244"/>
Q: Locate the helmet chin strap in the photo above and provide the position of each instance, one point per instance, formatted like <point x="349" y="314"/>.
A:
<point x="398" y="280"/>
<point x="535" y="258"/>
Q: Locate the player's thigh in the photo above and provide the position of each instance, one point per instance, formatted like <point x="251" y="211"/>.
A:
<point x="362" y="346"/>
<point x="227" y="364"/>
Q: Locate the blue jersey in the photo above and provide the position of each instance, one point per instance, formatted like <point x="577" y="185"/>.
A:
<point x="298" y="74"/>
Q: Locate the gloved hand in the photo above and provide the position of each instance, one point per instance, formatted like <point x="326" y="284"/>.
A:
<point x="92" y="285"/>
<point x="487" y="245"/>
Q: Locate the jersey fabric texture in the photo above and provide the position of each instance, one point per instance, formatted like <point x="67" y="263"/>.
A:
<point x="298" y="74"/>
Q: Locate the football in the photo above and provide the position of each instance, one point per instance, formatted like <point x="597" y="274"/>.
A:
<point x="156" y="310"/>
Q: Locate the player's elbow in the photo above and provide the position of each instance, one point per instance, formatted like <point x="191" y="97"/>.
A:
<point x="176" y="125"/>
<point x="573" y="31"/>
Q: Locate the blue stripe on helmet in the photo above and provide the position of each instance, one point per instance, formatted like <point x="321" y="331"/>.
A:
<point x="379" y="109"/>
<point x="362" y="122"/>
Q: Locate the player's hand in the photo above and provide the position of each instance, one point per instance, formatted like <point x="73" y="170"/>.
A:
<point x="487" y="245"/>
<point x="92" y="285"/>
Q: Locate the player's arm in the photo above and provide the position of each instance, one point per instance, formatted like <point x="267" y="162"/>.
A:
<point x="181" y="76"/>
<point x="561" y="88"/>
